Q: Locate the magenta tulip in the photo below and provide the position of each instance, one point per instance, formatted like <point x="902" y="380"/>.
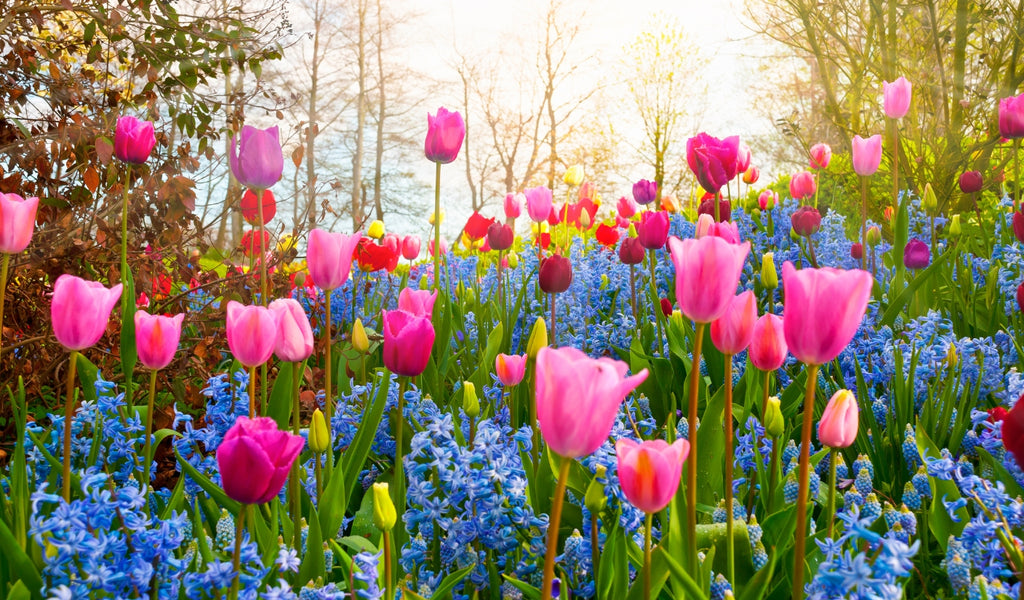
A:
<point x="767" y="350"/>
<point x="821" y="155"/>
<point x="256" y="159"/>
<point x="823" y="308"/>
<point x="645" y="191"/>
<point x="1018" y="226"/>
<point x="156" y="338"/>
<point x="410" y="247"/>
<point x="510" y="368"/>
<point x="713" y="161"/>
<point x="445" y="132"/>
<point x="653" y="229"/>
<point x="802" y="185"/>
<point x="514" y="205"/>
<point x="500" y="236"/>
<point x="578" y="398"/>
<point x="806" y="221"/>
<point x="251" y="332"/>
<point x="916" y="254"/>
<point x="867" y="154"/>
<point x="1020" y="297"/>
<point x="133" y="140"/>
<point x="731" y="333"/>
<point x="970" y="182"/>
<point x="408" y="340"/>
<point x="1011" y="117"/>
<point x="329" y="257"/>
<point x="294" y="335"/>
<point x="631" y="252"/>
<point x="649" y="471"/>
<point x="707" y="274"/>
<point x="555" y="274"/>
<point x="417" y="302"/>
<point x="838" y="425"/>
<point x="896" y="98"/>
<point x="17" y="222"/>
<point x="254" y="459"/>
<point x="80" y="310"/>
<point x="626" y="207"/>
<point x="707" y="207"/>
<point x="538" y="203"/>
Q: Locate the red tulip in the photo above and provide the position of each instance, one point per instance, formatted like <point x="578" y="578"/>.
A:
<point x="514" y="205"/>
<point x="555" y="274"/>
<point x="1020" y="297"/>
<point x="649" y="471"/>
<point x="857" y="251"/>
<point x="476" y="226"/>
<point x="251" y="244"/>
<point x="254" y="459"/>
<point x="606" y="236"/>
<point x="373" y="257"/>
<point x="806" y="221"/>
<point x="445" y="133"/>
<point x="1013" y="430"/>
<point x="823" y="309"/>
<point x="408" y="340"/>
<point x="251" y="209"/>
<point x="970" y="182"/>
<point x="707" y="207"/>
<point x="1018" y="226"/>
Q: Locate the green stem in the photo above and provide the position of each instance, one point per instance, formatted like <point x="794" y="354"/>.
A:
<point x="632" y="290"/>
<point x="691" y="467"/>
<point x="801" y="500"/>
<point x="817" y="188"/>
<point x="124" y="229"/>
<point x="772" y="470"/>
<point x="69" y="403"/>
<point x="398" y="490"/>
<point x="148" y="452"/>
<point x="553" y="523"/>
<point x="863" y="219"/>
<point x="389" y="581"/>
<point x="295" y="486"/>
<point x="554" y="335"/>
<point x="831" y="491"/>
<point x="252" y="392"/>
<point x="437" y="227"/>
<point x="896" y="164"/>
<point x="236" y="557"/>
<point x="655" y="301"/>
<point x="595" y="552"/>
<point x="647" y="555"/>
<point x="765" y="395"/>
<point x="730" y="549"/>
<point x="1016" y="184"/>
<point x="328" y="369"/>
<point x="5" y="263"/>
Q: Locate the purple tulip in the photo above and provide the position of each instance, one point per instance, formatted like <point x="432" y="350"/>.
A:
<point x="256" y="159"/>
<point x="916" y="254"/>
<point x="445" y="133"/>
<point x="645" y="191"/>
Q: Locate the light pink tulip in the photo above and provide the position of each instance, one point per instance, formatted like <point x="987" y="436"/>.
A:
<point x="823" y="309"/>
<point x="896" y="98"/>
<point x="417" y="302"/>
<point x="510" y="368"/>
<point x="821" y="155"/>
<point x="838" y="425"/>
<point x="156" y="338"/>
<point x="538" y="203"/>
<point x="254" y="459"/>
<point x="767" y="349"/>
<point x="867" y="154"/>
<point x="80" y="310"/>
<point x="707" y="273"/>
<point x="329" y="257"/>
<point x="17" y="221"/>
<point x="294" y="335"/>
<point x="256" y="159"/>
<point x="649" y="471"/>
<point x="731" y="333"/>
<point x="251" y="332"/>
<point x="578" y="398"/>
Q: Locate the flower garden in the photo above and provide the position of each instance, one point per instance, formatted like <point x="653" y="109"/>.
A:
<point x="744" y="398"/>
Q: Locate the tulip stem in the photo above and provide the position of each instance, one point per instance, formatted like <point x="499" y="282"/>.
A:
<point x="801" y="500"/>
<point x="647" y="555"/>
<point x="124" y="229"/>
<point x="437" y="227"/>
<point x="595" y="551"/>
<point x="715" y="202"/>
<point x="1016" y="179"/>
<point x="896" y="164"/>
<point x="730" y="550"/>
<point x="318" y="474"/>
<point x="148" y="452"/>
<point x="68" y="416"/>
<point x="295" y="486"/>
<point x="831" y="491"/>
<point x="655" y="304"/>
<point x="252" y="392"/>
<point x="236" y="557"/>
<point x="263" y="250"/>
<point x="4" y="266"/>
<point x="691" y="468"/>
<point x="328" y="369"/>
<point x="772" y="470"/>
<point x="398" y="490"/>
<point x="863" y="218"/>
<point x="817" y="188"/>
<point x="389" y="583"/>
<point x="553" y="523"/>
<point x="632" y="290"/>
<point x="554" y="335"/>
<point x="765" y="395"/>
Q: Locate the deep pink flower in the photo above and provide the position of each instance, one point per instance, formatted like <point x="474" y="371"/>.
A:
<point x="156" y="338"/>
<point x="408" y="340"/>
<point x="514" y="205"/>
<point x="821" y="155"/>
<point x="707" y="273"/>
<point x="767" y="350"/>
<point x="631" y="252"/>
<point x="445" y="132"/>
<point x="970" y="182"/>
<point x="823" y="309"/>
<point x="713" y="161"/>
<point x="410" y="247"/>
<point x="653" y="229"/>
<point x="251" y="333"/>
<point x="649" y="471"/>
<point x="1011" y="117"/>
<point x="916" y="254"/>
<point x="802" y="185"/>
<point x="133" y="140"/>
<point x="254" y="459"/>
<point x="17" y="222"/>
<point x="731" y="333"/>
<point x="626" y="207"/>
<point x="555" y="274"/>
<point x="806" y="221"/>
<point x="500" y="236"/>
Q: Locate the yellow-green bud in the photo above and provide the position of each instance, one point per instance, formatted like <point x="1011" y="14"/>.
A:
<point x="793" y="235"/>
<point x="300" y="279"/>
<point x="952" y="358"/>
<point x="596" y="499"/>
<point x="538" y="338"/>
<point x="319" y="436"/>
<point x="469" y="295"/>
<point x="769" y="275"/>
<point x="574" y="175"/>
<point x="874" y="236"/>
<point x="470" y="403"/>
<point x="424" y="284"/>
<point x="513" y="260"/>
<point x="632" y="230"/>
<point x="359" y="340"/>
<point x="774" y="424"/>
<point x="604" y="282"/>
<point x="954" y="226"/>
<point x="376" y="230"/>
<point x="929" y="202"/>
<point x="384" y="515"/>
<point x="585" y="219"/>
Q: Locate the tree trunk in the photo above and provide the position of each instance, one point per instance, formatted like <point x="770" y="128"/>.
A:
<point x="381" y="104"/>
<point x="357" y="156"/>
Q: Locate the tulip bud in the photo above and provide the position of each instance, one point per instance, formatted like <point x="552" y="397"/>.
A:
<point x="513" y="260"/>
<point x="874" y="236"/>
<point x="470" y="403"/>
<point x="769" y="275"/>
<point x="929" y="202"/>
<point x="774" y="423"/>
<point x="469" y="296"/>
<point x="538" y="338"/>
<point x="319" y="436"/>
<point x="604" y="282"/>
<point x="595" y="499"/>
<point x="970" y="182"/>
<point x="954" y="226"/>
<point x="585" y="220"/>
<point x="384" y="515"/>
<point x="424" y="284"/>
<point x="857" y="251"/>
<point x="837" y="427"/>
<point x="433" y="218"/>
<point x="359" y="340"/>
<point x="632" y="230"/>
<point x="952" y="359"/>
<point x="573" y="175"/>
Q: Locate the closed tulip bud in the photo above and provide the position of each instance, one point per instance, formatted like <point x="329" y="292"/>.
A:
<point x="929" y="202"/>
<point x="469" y="296"/>
<point x="500" y="236"/>
<point x="653" y="229"/>
<point x="319" y="436"/>
<point x="970" y="182"/>
<point x="916" y="254"/>
<point x="596" y="499"/>
<point x="867" y="154"/>
<point x="80" y="310"/>
<point x="17" y="222"/>
<point x="631" y="252"/>
<point x="649" y="471"/>
<point x="384" y="514"/>
<point x="707" y="207"/>
<point x="513" y="260"/>
<point x="769" y="274"/>
<point x="408" y="340"/>
<point x="874" y="236"/>
<point x="821" y="155"/>
<point x="774" y="422"/>
<point x="768" y="349"/>
<point x="360" y="342"/>
<point x="254" y="459"/>
<point x="573" y="175"/>
<point x="255" y="158"/>
<point x="806" y="221"/>
<point x="751" y="175"/>
<point x="251" y="332"/>
<point x="133" y="140"/>
<point x="742" y="157"/>
<point x="156" y="338"/>
<point x="857" y="251"/>
<point x="838" y="425"/>
<point x="470" y="402"/>
<point x="1018" y="226"/>
<point x="731" y="333"/>
<point x="538" y="338"/>
<point x="952" y="358"/>
<point x="538" y="203"/>
<point x="954" y="226"/>
<point x="802" y="185"/>
<point x="376" y="230"/>
<point x="433" y="218"/>
<point x="585" y="220"/>
<point x="445" y="132"/>
<point x="410" y="247"/>
<point x="896" y="98"/>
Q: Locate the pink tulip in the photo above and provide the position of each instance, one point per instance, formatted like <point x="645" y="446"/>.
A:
<point x="408" y="340"/>
<point x="578" y="398"/>
<point x="17" y="221"/>
<point x="445" y="133"/>
<point x="751" y="175"/>
<point x="510" y="368"/>
<point x="514" y="205"/>
<point x="133" y="140"/>
<point x="767" y="200"/>
<point x="649" y="471"/>
<point x="802" y="185"/>
<point x="392" y="242"/>
<point x="767" y="349"/>
<point x="417" y="302"/>
<point x="896" y="98"/>
<point x="294" y="335"/>
<point x="731" y="333"/>
<point x="538" y="203"/>
<point x="329" y="257"/>
<point x="444" y="247"/>
<point x="254" y="459"/>
<point x="256" y="159"/>
<point x="80" y="310"/>
<point x="653" y="229"/>
<point x="726" y="230"/>
<point x="867" y="154"/>
<point x="838" y="425"/>
<point x="823" y="309"/>
<point x="1011" y="117"/>
<point x="410" y="247"/>
<point x="251" y="332"/>
<point x="821" y="155"/>
<point x="742" y="158"/>
<point x="626" y="207"/>
<point x="707" y="273"/>
<point x="712" y="161"/>
<point x="156" y="338"/>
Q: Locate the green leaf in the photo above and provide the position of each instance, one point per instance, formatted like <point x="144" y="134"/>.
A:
<point x="281" y="399"/>
<point x="941" y="524"/>
<point x="19" y="561"/>
<point x="19" y="592"/>
<point x="208" y="486"/>
<point x="353" y="458"/>
<point x="448" y="583"/>
<point x="313" y="564"/>
<point x="87" y="376"/>
<point x="176" y="500"/>
<point x="756" y="587"/>
<point x="680" y="575"/>
<point x="897" y="305"/>
<point x="335" y="501"/>
<point x="710" y="477"/>
<point x="529" y="592"/>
